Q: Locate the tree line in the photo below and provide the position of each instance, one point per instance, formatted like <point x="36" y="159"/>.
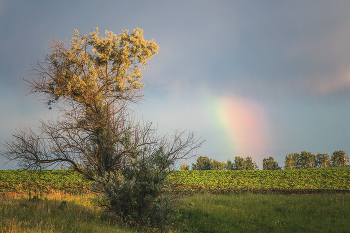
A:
<point x="205" y="163"/>
<point x="320" y="160"/>
<point x="292" y="161"/>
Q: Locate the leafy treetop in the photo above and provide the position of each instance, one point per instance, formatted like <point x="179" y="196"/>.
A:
<point x="94" y="68"/>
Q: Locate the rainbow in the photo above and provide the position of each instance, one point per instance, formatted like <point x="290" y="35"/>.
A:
<point x="243" y="124"/>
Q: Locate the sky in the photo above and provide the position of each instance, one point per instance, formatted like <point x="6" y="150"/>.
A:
<point x="252" y="78"/>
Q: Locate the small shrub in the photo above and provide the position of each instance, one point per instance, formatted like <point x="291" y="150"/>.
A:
<point x="137" y="194"/>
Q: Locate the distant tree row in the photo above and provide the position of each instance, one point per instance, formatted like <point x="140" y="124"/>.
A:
<point x="292" y="161"/>
<point x="309" y="160"/>
<point x="205" y="163"/>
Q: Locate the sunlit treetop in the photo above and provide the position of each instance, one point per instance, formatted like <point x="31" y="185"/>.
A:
<point x="94" y="68"/>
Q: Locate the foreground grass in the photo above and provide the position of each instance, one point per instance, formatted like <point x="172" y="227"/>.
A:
<point x="247" y="212"/>
<point x="265" y="213"/>
<point x="56" y="212"/>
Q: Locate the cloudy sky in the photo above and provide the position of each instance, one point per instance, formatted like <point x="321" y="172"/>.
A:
<point x="253" y="78"/>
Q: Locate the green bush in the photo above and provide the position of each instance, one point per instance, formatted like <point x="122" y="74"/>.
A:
<point x="137" y="193"/>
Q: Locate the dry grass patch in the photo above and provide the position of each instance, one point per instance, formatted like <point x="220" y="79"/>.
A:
<point x="55" y="212"/>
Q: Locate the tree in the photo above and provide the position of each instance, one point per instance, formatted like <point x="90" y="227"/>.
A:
<point x="92" y="82"/>
<point x="270" y="164"/>
<point x="238" y="163"/>
<point x="250" y="164"/>
<point x="229" y="165"/>
<point x="202" y="163"/>
<point x="93" y="79"/>
<point x="306" y="160"/>
<point x="184" y="166"/>
<point x="322" y="160"/>
<point x="291" y="161"/>
<point x="217" y="165"/>
<point x="339" y="159"/>
<point x="193" y="167"/>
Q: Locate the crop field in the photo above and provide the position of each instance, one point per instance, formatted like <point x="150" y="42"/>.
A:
<point x="212" y="181"/>
<point x="283" y="181"/>
<point x="20" y="181"/>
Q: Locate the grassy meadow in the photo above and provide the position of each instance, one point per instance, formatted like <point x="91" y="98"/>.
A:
<point x="249" y="212"/>
<point x="58" y="201"/>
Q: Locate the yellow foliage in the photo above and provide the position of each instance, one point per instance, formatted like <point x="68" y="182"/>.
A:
<point x="95" y="67"/>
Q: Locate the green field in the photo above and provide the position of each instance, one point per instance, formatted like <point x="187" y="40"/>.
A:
<point x="215" y="201"/>
<point x="281" y="181"/>
<point x="212" y="181"/>
<point x="20" y="181"/>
